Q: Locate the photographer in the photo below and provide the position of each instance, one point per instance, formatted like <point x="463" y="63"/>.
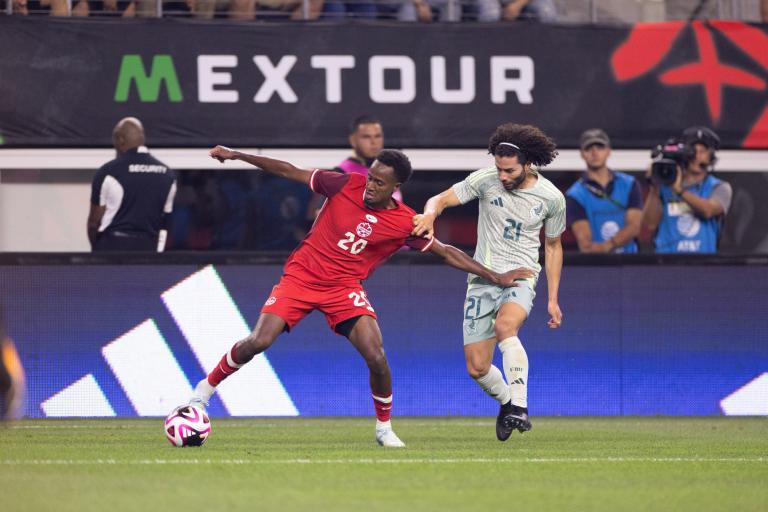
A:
<point x="686" y="205"/>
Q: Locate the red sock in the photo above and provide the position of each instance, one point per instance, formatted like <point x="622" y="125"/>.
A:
<point x="226" y="367"/>
<point x="383" y="405"/>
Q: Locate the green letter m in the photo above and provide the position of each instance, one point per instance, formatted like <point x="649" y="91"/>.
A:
<point x="132" y="69"/>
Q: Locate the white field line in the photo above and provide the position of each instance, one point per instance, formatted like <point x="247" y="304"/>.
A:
<point x="244" y="462"/>
<point x="109" y="425"/>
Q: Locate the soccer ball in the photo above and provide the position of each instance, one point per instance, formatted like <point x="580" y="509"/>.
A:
<point x="187" y="425"/>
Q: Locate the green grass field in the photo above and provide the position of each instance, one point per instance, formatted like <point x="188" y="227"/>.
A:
<point x="568" y="464"/>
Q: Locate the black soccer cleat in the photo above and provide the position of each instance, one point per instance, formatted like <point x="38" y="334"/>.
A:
<point x="503" y="431"/>
<point x="517" y="419"/>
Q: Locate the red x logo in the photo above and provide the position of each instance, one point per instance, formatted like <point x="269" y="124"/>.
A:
<point x="648" y="44"/>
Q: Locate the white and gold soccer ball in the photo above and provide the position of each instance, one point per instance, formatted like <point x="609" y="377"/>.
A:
<point x="187" y="425"/>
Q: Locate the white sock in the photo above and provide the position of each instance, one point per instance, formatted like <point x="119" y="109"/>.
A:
<point x="204" y="391"/>
<point x="493" y="384"/>
<point x="383" y="425"/>
<point x="516" y="369"/>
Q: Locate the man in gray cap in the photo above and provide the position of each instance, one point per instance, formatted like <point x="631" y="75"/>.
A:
<point x="604" y="207"/>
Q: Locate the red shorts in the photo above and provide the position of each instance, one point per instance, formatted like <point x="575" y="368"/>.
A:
<point x="292" y="300"/>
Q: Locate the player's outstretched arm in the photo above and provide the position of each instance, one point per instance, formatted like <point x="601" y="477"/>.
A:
<point x="277" y="167"/>
<point x="423" y="225"/>
<point x="461" y="260"/>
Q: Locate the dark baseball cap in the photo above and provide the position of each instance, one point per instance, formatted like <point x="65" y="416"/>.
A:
<point x="703" y="135"/>
<point x="594" y="136"/>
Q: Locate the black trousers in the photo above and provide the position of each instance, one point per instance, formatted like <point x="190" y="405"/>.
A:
<point x="114" y="242"/>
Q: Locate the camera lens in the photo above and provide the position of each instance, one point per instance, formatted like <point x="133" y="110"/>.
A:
<point x="664" y="171"/>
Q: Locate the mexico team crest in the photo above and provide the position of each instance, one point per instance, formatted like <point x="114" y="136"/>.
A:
<point x="537" y="211"/>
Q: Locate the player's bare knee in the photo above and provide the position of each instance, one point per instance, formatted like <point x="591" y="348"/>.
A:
<point x="505" y="328"/>
<point x="255" y="344"/>
<point x="477" y="369"/>
<point x="377" y="363"/>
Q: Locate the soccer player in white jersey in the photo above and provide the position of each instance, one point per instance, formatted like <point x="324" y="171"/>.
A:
<point x="516" y="201"/>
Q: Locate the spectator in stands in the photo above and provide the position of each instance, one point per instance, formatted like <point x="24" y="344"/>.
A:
<point x="511" y="10"/>
<point x="20" y="7"/>
<point x="287" y="9"/>
<point x="688" y="215"/>
<point x="206" y="9"/>
<point x="131" y="196"/>
<point x="122" y="8"/>
<point x="349" y="9"/>
<point x="252" y="9"/>
<point x="60" y="8"/>
<point x="424" y="11"/>
<point x="604" y="207"/>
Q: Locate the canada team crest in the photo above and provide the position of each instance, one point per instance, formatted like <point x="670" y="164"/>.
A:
<point x="364" y="230"/>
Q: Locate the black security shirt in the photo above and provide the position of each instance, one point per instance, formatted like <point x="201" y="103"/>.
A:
<point x="137" y="189"/>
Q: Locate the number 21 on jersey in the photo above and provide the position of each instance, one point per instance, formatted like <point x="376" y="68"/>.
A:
<point x="351" y="243"/>
<point x="512" y="230"/>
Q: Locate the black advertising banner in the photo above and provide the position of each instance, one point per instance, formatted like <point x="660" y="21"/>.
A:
<point x="65" y="82"/>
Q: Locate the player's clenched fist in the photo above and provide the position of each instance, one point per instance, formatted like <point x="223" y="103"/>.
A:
<point x="222" y="153"/>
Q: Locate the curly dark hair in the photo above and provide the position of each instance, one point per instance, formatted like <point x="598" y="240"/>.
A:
<point x="398" y="161"/>
<point x="535" y="146"/>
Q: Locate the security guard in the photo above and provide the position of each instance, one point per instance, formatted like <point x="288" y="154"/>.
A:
<point x="131" y="196"/>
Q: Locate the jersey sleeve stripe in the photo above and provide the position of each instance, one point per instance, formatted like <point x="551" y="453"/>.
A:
<point x="312" y="180"/>
<point x="426" y="247"/>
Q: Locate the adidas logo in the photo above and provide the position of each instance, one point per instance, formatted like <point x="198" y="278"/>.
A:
<point x="518" y="381"/>
<point x="497" y="202"/>
<point x="149" y="372"/>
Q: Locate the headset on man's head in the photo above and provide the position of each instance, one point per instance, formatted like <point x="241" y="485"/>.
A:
<point x="701" y="135"/>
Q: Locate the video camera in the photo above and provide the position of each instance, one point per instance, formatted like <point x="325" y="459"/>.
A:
<point x="679" y="151"/>
<point x="666" y="158"/>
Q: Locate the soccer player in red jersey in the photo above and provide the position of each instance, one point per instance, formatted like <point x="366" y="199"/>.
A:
<point x="359" y="227"/>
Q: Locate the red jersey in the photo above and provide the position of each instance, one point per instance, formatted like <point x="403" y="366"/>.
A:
<point x="349" y="239"/>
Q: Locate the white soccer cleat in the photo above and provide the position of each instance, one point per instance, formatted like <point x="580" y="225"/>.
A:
<point x="387" y="438"/>
<point x="201" y="395"/>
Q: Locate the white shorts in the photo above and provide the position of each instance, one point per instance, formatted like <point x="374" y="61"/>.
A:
<point x="483" y="303"/>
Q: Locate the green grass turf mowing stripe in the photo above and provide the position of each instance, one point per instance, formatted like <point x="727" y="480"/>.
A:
<point x="317" y="464"/>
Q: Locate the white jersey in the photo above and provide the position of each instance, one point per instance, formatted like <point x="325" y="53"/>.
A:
<point x="509" y="222"/>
